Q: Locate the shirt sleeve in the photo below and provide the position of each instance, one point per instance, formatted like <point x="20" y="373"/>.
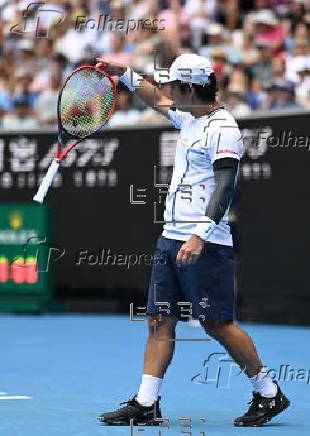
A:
<point x="225" y="142"/>
<point x="177" y="117"/>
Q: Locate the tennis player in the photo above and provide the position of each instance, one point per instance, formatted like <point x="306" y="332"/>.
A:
<point x="196" y="242"/>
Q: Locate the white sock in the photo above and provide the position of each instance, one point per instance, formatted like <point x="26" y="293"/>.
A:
<point x="148" y="391"/>
<point x="263" y="384"/>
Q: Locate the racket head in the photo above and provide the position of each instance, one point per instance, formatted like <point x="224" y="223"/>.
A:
<point x="86" y="102"/>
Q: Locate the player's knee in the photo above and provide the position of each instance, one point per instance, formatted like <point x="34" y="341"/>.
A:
<point x="161" y="323"/>
<point x="216" y="329"/>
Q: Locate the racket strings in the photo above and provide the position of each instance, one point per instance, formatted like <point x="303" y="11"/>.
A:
<point x="86" y="102"/>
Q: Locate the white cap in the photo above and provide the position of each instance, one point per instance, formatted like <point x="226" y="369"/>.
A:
<point x="188" y="68"/>
<point x="265" y="16"/>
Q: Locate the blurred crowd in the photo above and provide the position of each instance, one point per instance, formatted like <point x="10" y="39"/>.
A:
<point x="259" y="50"/>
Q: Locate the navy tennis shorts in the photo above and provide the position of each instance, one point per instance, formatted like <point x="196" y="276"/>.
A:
<point x="203" y="290"/>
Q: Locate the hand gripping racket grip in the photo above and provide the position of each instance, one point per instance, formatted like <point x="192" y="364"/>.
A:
<point x="47" y="181"/>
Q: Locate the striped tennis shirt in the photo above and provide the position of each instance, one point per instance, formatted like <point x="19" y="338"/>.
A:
<point x="201" y="142"/>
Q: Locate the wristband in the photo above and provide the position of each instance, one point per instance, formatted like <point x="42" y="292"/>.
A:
<point x="131" y="79"/>
<point x="205" y="228"/>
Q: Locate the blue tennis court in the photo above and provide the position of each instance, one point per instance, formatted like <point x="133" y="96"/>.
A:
<point x="151" y="152"/>
<point x="72" y="367"/>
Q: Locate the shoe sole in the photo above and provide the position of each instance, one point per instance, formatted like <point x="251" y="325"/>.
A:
<point x="285" y="404"/>
<point x="134" y="422"/>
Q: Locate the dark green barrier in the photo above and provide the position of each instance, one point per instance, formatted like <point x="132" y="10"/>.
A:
<point x="25" y="279"/>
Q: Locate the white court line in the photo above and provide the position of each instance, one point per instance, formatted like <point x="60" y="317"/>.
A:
<point x="4" y="396"/>
<point x="15" y="398"/>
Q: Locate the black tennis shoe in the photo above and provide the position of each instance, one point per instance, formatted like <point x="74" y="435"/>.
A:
<point x="134" y="412"/>
<point x="263" y="409"/>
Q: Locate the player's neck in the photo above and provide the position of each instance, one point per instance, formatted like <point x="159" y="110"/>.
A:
<point x="201" y="111"/>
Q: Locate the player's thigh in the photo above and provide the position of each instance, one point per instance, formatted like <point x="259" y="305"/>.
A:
<point x="209" y="284"/>
<point x="165" y="291"/>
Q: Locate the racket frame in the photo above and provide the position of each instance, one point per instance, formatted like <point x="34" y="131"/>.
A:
<point x="61" y="129"/>
<point x="47" y="181"/>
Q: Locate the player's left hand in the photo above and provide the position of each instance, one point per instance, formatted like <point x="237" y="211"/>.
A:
<point x="190" y="251"/>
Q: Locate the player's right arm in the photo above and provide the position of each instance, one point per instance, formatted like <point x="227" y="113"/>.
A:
<point x="149" y="93"/>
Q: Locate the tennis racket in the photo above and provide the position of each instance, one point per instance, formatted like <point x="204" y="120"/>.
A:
<point x="85" y="103"/>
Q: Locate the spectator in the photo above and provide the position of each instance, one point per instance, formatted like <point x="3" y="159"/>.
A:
<point x="227" y="13"/>
<point x="262" y="68"/>
<point x="219" y="38"/>
<point x="236" y="102"/>
<point x="138" y="9"/>
<point x="143" y="54"/>
<point x="171" y="15"/>
<point x="5" y="99"/>
<point x="22" y="88"/>
<point x="255" y="95"/>
<point x="22" y="117"/>
<point x="281" y="96"/>
<point x="46" y="104"/>
<point x="303" y="84"/>
<point x="199" y="14"/>
<point x="268" y="30"/>
<point x="278" y="68"/>
<point x="75" y="42"/>
<point x="251" y="43"/>
<point x="58" y="65"/>
<point x="44" y="52"/>
<point x="296" y="13"/>
<point x="28" y="56"/>
<point x="238" y="79"/>
<point x="301" y="52"/>
<point x="124" y="115"/>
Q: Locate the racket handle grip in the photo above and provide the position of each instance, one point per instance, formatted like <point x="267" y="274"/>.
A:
<point x="47" y="181"/>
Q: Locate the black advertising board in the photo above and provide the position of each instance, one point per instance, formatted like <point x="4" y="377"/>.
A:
<point x="107" y="205"/>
